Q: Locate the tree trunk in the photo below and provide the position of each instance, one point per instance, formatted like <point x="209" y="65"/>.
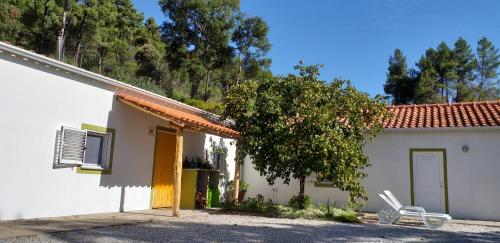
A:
<point x="44" y="26"/>
<point x="61" y="36"/>
<point x="80" y="37"/>
<point x="302" y="181"/>
<point x="207" y="81"/>
<point x="447" y="89"/>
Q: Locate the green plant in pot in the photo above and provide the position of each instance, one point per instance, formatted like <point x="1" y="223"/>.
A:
<point x="243" y="189"/>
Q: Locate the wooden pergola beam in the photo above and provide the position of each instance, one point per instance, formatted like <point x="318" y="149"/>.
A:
<point x="138" y="107"/>
<point x="177" y="172"/>
<point x="237" y="170"/>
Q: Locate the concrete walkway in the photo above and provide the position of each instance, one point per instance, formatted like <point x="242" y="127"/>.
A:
<point x="193" y="220"/>
<point x="215" y="226"/>
<point x="31" y="227"/>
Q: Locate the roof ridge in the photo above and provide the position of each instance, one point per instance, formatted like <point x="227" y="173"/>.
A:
<point x="447" y="104"/>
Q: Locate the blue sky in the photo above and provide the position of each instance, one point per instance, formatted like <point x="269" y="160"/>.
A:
<point x="354" y="39"/>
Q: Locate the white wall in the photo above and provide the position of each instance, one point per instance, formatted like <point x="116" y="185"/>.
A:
<point x="36" y="102"/>
<point x="473" y="177"/>
<point x="281" y="193"/>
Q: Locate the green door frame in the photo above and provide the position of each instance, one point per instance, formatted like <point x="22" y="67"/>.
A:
<point x="445" y="172"/>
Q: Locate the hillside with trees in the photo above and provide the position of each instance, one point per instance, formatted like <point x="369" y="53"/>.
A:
<point x="194" y="56"/>
<point x="446" y="74"/>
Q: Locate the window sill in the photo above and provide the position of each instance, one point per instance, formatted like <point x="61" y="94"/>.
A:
<point x="92" y="169"/>
<point x="323" y="184"/>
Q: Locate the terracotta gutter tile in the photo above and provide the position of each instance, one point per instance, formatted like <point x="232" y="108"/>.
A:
<point x="456" y="116"/>
<point x="428" y="116"/>
<point x="401" y="117"/>
<point x="489" y="118"/>
<point x="435" y="116"/>
<point x="464" y="115"/>
<point x="449" y="116"/>
<point x="443" y="117"/>
<point x="495" y="111"/>
<point x="414" y="117"/>
<point x="471" y="115"/>
<point x="406" y="122"/>
<point x="421" y="117"/>
<point x="394" y="118"/>
<point x="479" y="114"/>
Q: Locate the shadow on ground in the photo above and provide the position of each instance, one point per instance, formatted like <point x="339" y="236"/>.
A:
<point x="266" y="231"/>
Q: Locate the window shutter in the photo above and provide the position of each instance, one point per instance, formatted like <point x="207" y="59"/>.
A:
<point x="106" y="151"/>
<point x="72" y="146"/>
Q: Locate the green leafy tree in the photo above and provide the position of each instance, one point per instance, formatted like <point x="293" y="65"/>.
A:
<point x="197" y="34"/>
<point x="250" y="38"/>
<point x="428" y="88"/>
<point x="298" y="125"/>
<point x="487" y="70"/>
<point x="10" y="25"/>
<point x="150" y="57"/>
<point x="399" y="84"/>
<point x="465" y="65"/>
<point x="445" y="67"/>
<point x="195" y="46"/>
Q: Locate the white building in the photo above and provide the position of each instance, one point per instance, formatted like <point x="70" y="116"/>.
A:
<point x="122" y="146"/>
<point x="445" y="158"/>
<point x="75" y="142"/>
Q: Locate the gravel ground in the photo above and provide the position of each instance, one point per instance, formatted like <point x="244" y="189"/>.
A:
<point x="239" y="228"/>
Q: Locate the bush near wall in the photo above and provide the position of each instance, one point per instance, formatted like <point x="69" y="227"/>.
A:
<point x="260" y="206"/>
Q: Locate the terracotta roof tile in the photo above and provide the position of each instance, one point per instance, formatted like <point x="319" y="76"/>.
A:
<point x="466" y="114"/>
<point x="180" y="116"/>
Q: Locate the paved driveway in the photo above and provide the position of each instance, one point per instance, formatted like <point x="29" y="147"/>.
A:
<point x="204" y="227"/>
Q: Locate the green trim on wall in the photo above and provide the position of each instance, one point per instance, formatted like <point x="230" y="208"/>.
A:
<point x="324" y="184"/>
<point x="445" y="172"/>
<point x="100" y="129"/>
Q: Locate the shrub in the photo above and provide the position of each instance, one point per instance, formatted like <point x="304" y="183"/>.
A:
<point x="294" y="202"/>
<point x="259" y="205"/>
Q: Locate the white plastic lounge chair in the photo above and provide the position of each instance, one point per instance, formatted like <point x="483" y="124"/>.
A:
<point x="431" y="220"/>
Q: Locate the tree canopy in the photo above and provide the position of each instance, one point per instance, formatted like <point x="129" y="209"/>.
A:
<point x="194" y="56"/>
<point x="296" y="126"/>
<point x="446" y="75"/>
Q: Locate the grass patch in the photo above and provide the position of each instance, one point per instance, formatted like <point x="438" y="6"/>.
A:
<point x="267" y="208"/>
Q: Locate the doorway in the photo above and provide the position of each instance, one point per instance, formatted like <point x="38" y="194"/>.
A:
<point x="429" y="179"/>
<point x="163" y="169"/>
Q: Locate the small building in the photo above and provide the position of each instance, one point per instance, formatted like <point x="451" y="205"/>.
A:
<point x="444" y="157"/>
<point x="74" y="142"/>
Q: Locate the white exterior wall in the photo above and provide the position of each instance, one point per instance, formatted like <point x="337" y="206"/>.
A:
<point x="36" y="102"/>
<point x="281" y="193"/>
<point x="473" y="177"/>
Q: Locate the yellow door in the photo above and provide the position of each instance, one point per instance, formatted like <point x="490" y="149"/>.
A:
<point x="163" y="175"/>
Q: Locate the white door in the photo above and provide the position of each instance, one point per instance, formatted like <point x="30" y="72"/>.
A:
<point x="428" y="181"/>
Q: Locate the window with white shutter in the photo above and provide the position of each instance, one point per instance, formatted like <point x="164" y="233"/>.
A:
<point x="72" y="146"/>
<point x="90" y="148"/>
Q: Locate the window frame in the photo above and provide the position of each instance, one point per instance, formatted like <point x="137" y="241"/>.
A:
<point x="109" y="134"/>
